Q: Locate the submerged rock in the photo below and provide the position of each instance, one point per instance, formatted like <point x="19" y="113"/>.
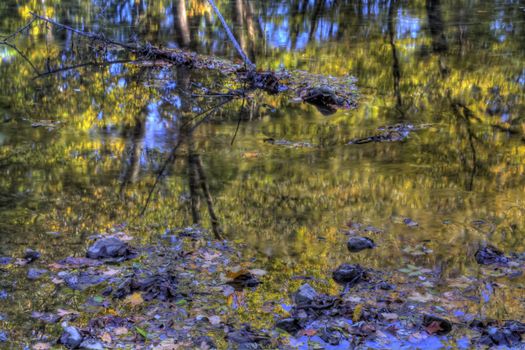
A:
<point x="489" y="255"/>
<point x="290" y="325"/>
<point x="204" y="342"/>
<point x="109" y="248"/>
<point x="358" y="243"/>
<point x="305" y="295"/>
<point x="245" y="280"/>
<point x="160" y="286"/>
<point x="508" y="334"/>
<point x="348" y="274"/>
<point x="82" y="280"/>
<point x="31" y="255"/>
<point x="91" y="344"/>
<point x="34" y="274"/>
<point x="71" y="337"/>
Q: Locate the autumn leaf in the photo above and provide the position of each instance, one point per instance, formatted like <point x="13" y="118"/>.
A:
<point x="433" y="327"/>
<point x="309" y="332"/>
<point x="134" y="299"/>
<point x="356" y="316"/>
<point x="106" y="338"/>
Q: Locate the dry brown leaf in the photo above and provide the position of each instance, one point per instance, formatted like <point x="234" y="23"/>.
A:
<point x="120" y="331"/>
<point x="106" y="338"/>
<point x="134" y="299"/>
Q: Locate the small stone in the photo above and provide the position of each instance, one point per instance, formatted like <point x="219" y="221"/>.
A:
<point x="348" y="274"/>
<point x="204" y="342"/>
<point x="305" y="295"/>
<point x="357" y="243"/>
<point x="110" y="247"/>
<point x="488" y="255"/>
<point x="31" y="255"/>
<point x="91" y="344"/>
<point x="71" y="337"/>
<point x="4" y="260"/>
<point x="3" y="337"/>
<point x="34" y="274"/>
<point x="290" y="325"/>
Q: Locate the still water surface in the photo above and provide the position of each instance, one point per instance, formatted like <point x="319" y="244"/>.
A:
<point x="458" y="66"/>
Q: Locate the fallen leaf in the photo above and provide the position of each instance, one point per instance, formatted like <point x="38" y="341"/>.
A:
<point x="41" y="346"/>
<point x="63" y="312"/>
<point x="390" y="316"/>
<point x="250" y="154"/>
<point x="120" y="331"/>
<point x="134" y="299"/>
<point x="214" y="320"/>
<point x="258" y="272"/>
<point x="142" y="332"/>
<point x="433" y="327"/>
<point x="309" y="332"/>
<point x="356" y="316"/>
<point x="106" y="338"/>
<point x="416" y="296"/>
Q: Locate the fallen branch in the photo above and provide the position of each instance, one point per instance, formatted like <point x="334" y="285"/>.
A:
<point x="327" y="93"/>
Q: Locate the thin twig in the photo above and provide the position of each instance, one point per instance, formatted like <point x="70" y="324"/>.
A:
<point x="21" y="54"/>
<point x="12" y="35"/>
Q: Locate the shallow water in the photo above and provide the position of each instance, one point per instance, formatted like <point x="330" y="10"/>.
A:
<point x="457" y="67"/>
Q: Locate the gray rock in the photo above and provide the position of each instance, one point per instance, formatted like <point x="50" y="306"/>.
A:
<point x="3" y="337"/>
<point x="31" y="255"/>
<point x="91" y="344"/>
<point x="82" y="280"/>
<point x="348" y="274"/>
<point x="306" y="294"/>
<point x="358" y="243"/>
<point x="34" y="274"/>
<point x="71" y="337"/>
<point x="290" y="325"/>
<point x="110" y="247"/>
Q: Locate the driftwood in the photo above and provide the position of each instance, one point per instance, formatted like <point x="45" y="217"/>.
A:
<point x="325" y="92"/>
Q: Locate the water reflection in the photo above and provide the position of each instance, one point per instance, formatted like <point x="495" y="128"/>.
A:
<point x="417" y="62"/>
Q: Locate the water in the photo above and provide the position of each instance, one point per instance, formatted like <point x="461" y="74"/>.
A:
<point x="458" y="66"/>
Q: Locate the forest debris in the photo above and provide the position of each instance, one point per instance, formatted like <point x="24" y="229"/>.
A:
<point x="390" y="133"/>
<point x="358" y="243"/>
<point x="286" y="143"/>
<point x="290" y="325"/>
<point x="157" y="286"/>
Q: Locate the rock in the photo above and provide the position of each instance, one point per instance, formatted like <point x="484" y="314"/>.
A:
<point x="331" y="335"/>
<point x="348" y="274"/>
<point x="436" y="325"/>
<point x="82" y="280"/>
<point x="71" y="337"/>
<point x="358" y="243"/>
<point x="46" y="317"/>
<point x="109" y="248"/>
<point x="204" y="342"/>
<point x="386" y="286"/>
<point x="31" y="255"/>
<point x="160" y="286"/>
<point x="245" y="280"/>
<point x="91" y="344"/>
<point x="3" y="337"/>
<point x="290" y="325"/>
<point x="34" y="274"/>
<point x="488" y="255"/>
<point x="305" y="295"/>
<point x="4" y="260"/>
